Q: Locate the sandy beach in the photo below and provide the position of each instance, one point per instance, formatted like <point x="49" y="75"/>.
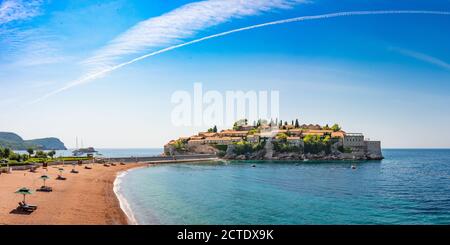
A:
<point x="84" y="198"/>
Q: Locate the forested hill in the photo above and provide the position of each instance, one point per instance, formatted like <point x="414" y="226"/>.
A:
<point x="15" y="142"/>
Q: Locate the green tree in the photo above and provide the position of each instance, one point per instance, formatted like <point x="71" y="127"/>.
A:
<point x="235" y="126"/>
<point x="252" y="131"/>
<point x="30" y="151"/>
<point x="282" y="136"/>
<point x="14" y="157"/>
<point x="179" y="145"/>
<point x="315" y="144"/>
<point x="51" y="153"/>
<point x="6" y="153"/>
<point x="296" y="123"/>
<point x="335" y="127"/>
<point x="25" y="157"/>
<point x="215" y="129"/>
<point x="40" y="154"/>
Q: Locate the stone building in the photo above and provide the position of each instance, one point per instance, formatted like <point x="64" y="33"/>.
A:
<point x="354" y="141"/>
<point x="373" y="148"/>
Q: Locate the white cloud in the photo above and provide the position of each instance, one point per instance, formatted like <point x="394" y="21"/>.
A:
<point x="29" y="47"/>
<point x="11" y="10"/>
<point x="25" y="46"/>
<point x="109" y="68"/>
<point x="423" y="57"/>
<point x="179" y="24"/>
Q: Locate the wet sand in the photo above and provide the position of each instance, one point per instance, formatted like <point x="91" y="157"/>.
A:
<point x="84" y="198"/>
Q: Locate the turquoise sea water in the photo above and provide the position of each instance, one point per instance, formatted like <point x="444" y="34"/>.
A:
<point x="408" y="187"/>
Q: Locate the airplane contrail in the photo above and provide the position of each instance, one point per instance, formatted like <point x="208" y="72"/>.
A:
<point x="95" y="75"/>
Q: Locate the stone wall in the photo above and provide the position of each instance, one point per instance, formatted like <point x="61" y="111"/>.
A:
<point x="373" y="149"/>
<point x="354" y="142"/>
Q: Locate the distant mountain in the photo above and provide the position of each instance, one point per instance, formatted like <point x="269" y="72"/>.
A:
<point x="48" y="143"/>
<point x="15" y="142"/>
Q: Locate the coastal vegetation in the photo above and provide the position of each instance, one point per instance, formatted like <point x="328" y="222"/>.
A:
<point x="315" y="144"/>
<point x="244" y="147"/>
<point x="9" y="157"/>
<point x="213" y="129"/>
<point x="180" y="145"/>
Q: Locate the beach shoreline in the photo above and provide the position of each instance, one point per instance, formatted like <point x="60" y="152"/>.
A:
<point x="123" y="203"/>
<point x="86" y="198"/>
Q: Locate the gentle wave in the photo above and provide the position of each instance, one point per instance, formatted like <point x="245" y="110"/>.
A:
<point x="124" y="204"/>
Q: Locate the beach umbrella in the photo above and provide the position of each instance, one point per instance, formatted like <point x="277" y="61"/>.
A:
<point x="24" y="191"/>
<point x="44" y="178"/>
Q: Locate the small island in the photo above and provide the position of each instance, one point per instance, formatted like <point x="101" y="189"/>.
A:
<point x="278" y="140"/>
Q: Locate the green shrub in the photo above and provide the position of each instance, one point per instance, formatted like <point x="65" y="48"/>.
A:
<point x="244" y="147"/>
<point x="315" y="144"/>
<point x="180" y="145"/>
<point x="285" y="147"/>
<point x="221" y="154"/>
<point x="344" y="149"/>
<point x="221" y="147"/>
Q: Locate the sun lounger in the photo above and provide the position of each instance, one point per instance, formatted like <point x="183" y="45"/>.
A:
<point x="26" y="207"/>
<point x="87" y="167"/>
<point x="106" y="165"/>
<point x="122" y="163"/>
<point x="61" y="178"/>
<point x="113" y="164"/>
<point x="74" y="171"/>
<point x="45" y="189"/>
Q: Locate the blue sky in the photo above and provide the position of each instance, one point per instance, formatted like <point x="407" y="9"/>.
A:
<point x="384" y="75"/>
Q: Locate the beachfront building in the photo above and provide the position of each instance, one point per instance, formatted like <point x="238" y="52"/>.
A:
<point x="295" y="132"/>
<point x="355" y="142"/>
<point x="246" y="127"/>
<point x="253" y="138"/>
<point x="195" y="138"/>
<point x="289" y="126"/>
<point x="233" y="133"/>
<point x="311" y="126"/>
<point x="207" y="134"/>
<point x="373" y="147"/>
<point x="322" y="131"/>
<point x="338" y="134"/>
<point x="222" y="140"/>
<point x="195" y="142"/>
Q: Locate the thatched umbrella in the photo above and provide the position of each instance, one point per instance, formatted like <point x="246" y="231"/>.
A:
<point x="61" y="170"/>
<point x="24" y="191"/>
<point x="44" y="178"/>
